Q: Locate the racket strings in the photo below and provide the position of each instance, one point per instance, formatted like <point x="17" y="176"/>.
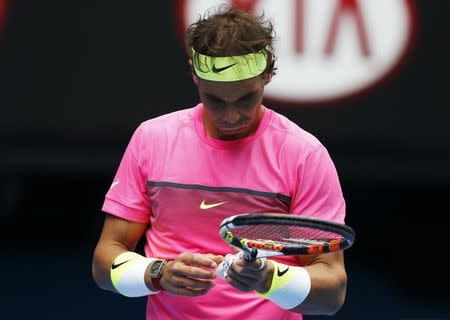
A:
<point x="287" y="235"/>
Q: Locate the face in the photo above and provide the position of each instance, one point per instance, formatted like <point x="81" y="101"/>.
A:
<point x="232" y="110"/>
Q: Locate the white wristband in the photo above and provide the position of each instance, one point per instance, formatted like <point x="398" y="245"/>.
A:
<point x="290" y="286"/>
<point x="128" y="274"/>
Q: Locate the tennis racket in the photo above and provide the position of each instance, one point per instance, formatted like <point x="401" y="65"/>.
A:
<point x="277" y="234"/>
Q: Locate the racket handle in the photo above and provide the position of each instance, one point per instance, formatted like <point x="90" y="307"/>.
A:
<point x="222" y="269"/>
<point x="250" y="257"/>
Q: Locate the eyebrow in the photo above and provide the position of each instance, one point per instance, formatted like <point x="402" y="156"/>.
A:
<point x="245" y="96"/>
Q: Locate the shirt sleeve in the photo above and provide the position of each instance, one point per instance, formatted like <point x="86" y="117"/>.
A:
<point x="318" y="191"/>
<point x="127" y="197"/>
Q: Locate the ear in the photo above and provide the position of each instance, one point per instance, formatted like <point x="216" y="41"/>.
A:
<point x="196" y="79"/>
<point x="194" y="76"/>
<point x="267" y="78"/>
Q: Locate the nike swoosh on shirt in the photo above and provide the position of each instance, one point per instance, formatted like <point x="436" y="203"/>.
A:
<point x="281" y="273"/>
<point x="115" y="183"/>
<point x="205" y="206"/>
<point x="114" y="265"/>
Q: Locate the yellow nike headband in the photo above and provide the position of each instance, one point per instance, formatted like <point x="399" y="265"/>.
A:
<point x="233" y="68"/>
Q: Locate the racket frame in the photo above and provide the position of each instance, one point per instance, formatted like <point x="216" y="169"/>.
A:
<point x="249" y="219"/>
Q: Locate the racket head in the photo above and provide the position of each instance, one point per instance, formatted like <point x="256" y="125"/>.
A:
<point x="272" y="234"/>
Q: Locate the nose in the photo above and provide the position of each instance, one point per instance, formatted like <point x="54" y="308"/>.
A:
<point x="231" y="115"/>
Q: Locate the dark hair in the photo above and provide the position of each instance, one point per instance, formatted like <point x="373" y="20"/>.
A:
<point x="227" y="31"/>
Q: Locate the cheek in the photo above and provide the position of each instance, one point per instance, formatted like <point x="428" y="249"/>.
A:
<point x="213" y="116"/>
<point x="252" y="113"/>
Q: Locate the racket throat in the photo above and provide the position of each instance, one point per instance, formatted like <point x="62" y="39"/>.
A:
<point x="250" y="254"/>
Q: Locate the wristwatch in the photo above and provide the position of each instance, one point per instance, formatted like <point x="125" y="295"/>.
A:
<point x="156" y="271"/>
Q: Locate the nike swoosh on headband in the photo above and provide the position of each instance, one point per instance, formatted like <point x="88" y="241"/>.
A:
<point x="217" y="70"/>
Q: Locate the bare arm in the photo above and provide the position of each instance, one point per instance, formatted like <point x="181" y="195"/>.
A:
<point x="185" y="275"/>
<point x="118" y="235"/>
<point x="328" y="284"/>
<point x="328" y="281"/>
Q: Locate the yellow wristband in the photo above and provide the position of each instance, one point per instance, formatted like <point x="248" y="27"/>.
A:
<point x="128" y="274"/>
<point x="290" y="286"/>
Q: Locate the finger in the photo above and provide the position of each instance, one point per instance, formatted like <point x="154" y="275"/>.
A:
<point x="183" y="270"/>
<point x="241" y="274"/>
<point x="216" y="258"/>
<point x="256" y="265"/>
<point x="183" y="282"/>
<point x="202" y="260"/>
<point x="247" y="269"/>
<point x="237" y="283"/>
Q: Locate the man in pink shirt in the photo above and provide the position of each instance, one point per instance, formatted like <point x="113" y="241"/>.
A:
<point x="184" y="172"/>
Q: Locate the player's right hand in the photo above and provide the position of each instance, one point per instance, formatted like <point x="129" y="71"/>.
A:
<point x="190" y="274"/>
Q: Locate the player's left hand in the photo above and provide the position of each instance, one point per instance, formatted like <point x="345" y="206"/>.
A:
<point x="246" y="276"/>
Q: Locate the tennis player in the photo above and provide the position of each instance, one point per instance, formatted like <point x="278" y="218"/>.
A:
<point x="182" y="173"/>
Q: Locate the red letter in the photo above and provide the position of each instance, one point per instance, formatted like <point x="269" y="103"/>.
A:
<point x="299" y="14"/>
<point x="2" y="15"/>
<point x="246" y="5"/>
<point x="348" y="7"/>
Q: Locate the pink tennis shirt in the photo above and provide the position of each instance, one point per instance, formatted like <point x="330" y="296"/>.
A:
<point x="184" y="183"/>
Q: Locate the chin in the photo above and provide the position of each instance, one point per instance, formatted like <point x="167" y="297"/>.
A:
<point x="232" y="135"/>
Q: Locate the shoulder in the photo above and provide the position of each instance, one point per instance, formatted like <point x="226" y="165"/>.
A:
<point x="159" y="131"/>
<point x="167" y="125"/>
<point x="290" y="135"/>
<point x="172" y="121"/>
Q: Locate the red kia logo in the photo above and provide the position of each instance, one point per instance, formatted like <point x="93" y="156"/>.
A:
<point x="2" y="15"/>
<point x="327" y="50"/>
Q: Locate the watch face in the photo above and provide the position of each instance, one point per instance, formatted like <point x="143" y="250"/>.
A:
<point x="156" y="265"/>
<point x="155" y="268"/>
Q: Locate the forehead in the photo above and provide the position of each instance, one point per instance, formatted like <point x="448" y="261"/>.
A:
<point x="232" y="89"/>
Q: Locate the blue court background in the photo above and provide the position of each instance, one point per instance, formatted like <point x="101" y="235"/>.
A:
<point x="76" y="78"/>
